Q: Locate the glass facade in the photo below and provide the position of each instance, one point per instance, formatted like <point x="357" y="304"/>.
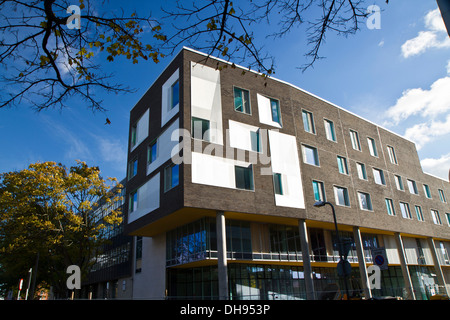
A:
<point x="245" y="241"/>
<point x="264" y="263"/>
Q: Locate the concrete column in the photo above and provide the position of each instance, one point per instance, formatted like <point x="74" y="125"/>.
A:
<point x="405" y="271"/>
<point x="362" y="263"/>
<point x="222" y="255"/>
<point x="437" y="265"/>
<point x="307" y="269"/>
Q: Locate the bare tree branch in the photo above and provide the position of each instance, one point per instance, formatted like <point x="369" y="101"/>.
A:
<point x="44" y="63"/>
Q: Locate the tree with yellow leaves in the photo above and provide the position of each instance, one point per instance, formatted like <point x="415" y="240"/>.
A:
<point x="56" y="214"/>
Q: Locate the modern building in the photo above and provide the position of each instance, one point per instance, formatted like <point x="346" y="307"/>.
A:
<point x="225" y="166"/>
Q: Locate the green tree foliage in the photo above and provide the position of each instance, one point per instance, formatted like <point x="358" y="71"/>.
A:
<point x="56" y="213"/>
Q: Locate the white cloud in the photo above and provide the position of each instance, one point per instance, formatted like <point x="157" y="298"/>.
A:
<point x="427" y="103"/>
<point x="423" y="133"/>
<point x="438" y="167"/>
<point x="435" y="37"/>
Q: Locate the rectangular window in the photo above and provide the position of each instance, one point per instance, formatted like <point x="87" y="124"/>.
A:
<point x="378" y="175"/>
<point x="277" y="184"/>
<point x="171" y="176"/>
<point x="242" y="100"/>
<point x="355" y="140"/>
<point x="200" y="129"/>
<point x="175" y="94"/>
<point x="436" y="217"/>
<point x="310" y="155"/>
<point x="132" y="168"/>
<point x="406" y="213"/>
<point x="412" y="186"/>
<point x="319" y="191"/>
<point x="342" y="164"/>
<point x="255" y="140"/>
<point x="133" y="202"/>
<point x="329" y="130"/>
<point x="372" y="147"/>
<point x="442" y="195"/>
<point x="244" y="177"/>
<point x="399" y="183"/>
<point x="361" y="168"/>
<point x="427" y="191"/>
<point x="152" y="151"/>
<point x="392" y="155"/>
<point x="419" y="213"/>
<point x="341" y="195"/>
<point x="365" y="201"/>
<point x="447" y="215"/>
<point x="275" y="109"/>
<point x="390" y="207"/>
<point x="133" y="135"/>
<point x="308" y="121"/>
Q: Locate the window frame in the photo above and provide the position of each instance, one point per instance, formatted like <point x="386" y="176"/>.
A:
<point x="382" y="177"/>
<point x="321" y="190"/>
<point x="308" y="125"/>
<point x="172" y="100"/>
<point x="133" y="203"/>
<point x="390" y="207"/>
<point x="278" y="110"/>
<point x="407" y="214"/>
<point x="330" y="124"/>
<point x="399" y="182"/>
<point x="368" y="201"/>
<point x="442" y="196"/>
<point x="412" y="183"/>
<point x="354" y="138"/>
<point x="372" y="147"/>
<point x="277" y="183"/>
<point x="205" y="137"/>
<point x="363" y="170"/>
<point x="345" y="196"/>
<point x="342" y="165"/>
<point x="392" y="155"/>
<point x="133" y="168"/>
<point x="427" y="191"/>
<point x="133" y="135"/>
<point x="315" y="154"/>
<point x="419" y="213"/>
<point x="250" y="179"/>
<point x="435" y="215"/>
<point x="168" y="177"/>
<point x="150" y="151"/>
<point x="242" y="91"/>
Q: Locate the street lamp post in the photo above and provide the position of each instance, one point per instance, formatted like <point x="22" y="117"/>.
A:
<point x="342" y="261"/>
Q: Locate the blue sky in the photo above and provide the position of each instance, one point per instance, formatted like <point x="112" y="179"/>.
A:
<point x="397" y="76"/>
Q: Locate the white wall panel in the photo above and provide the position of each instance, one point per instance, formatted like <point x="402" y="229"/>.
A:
<point x="214" y="171"/>
<point x="284" y="160"/>
<point x="240" y="135"/>
<point x="265" y="111"/>
<point x="148" y="198"/>
<point x="206" y="102"/>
